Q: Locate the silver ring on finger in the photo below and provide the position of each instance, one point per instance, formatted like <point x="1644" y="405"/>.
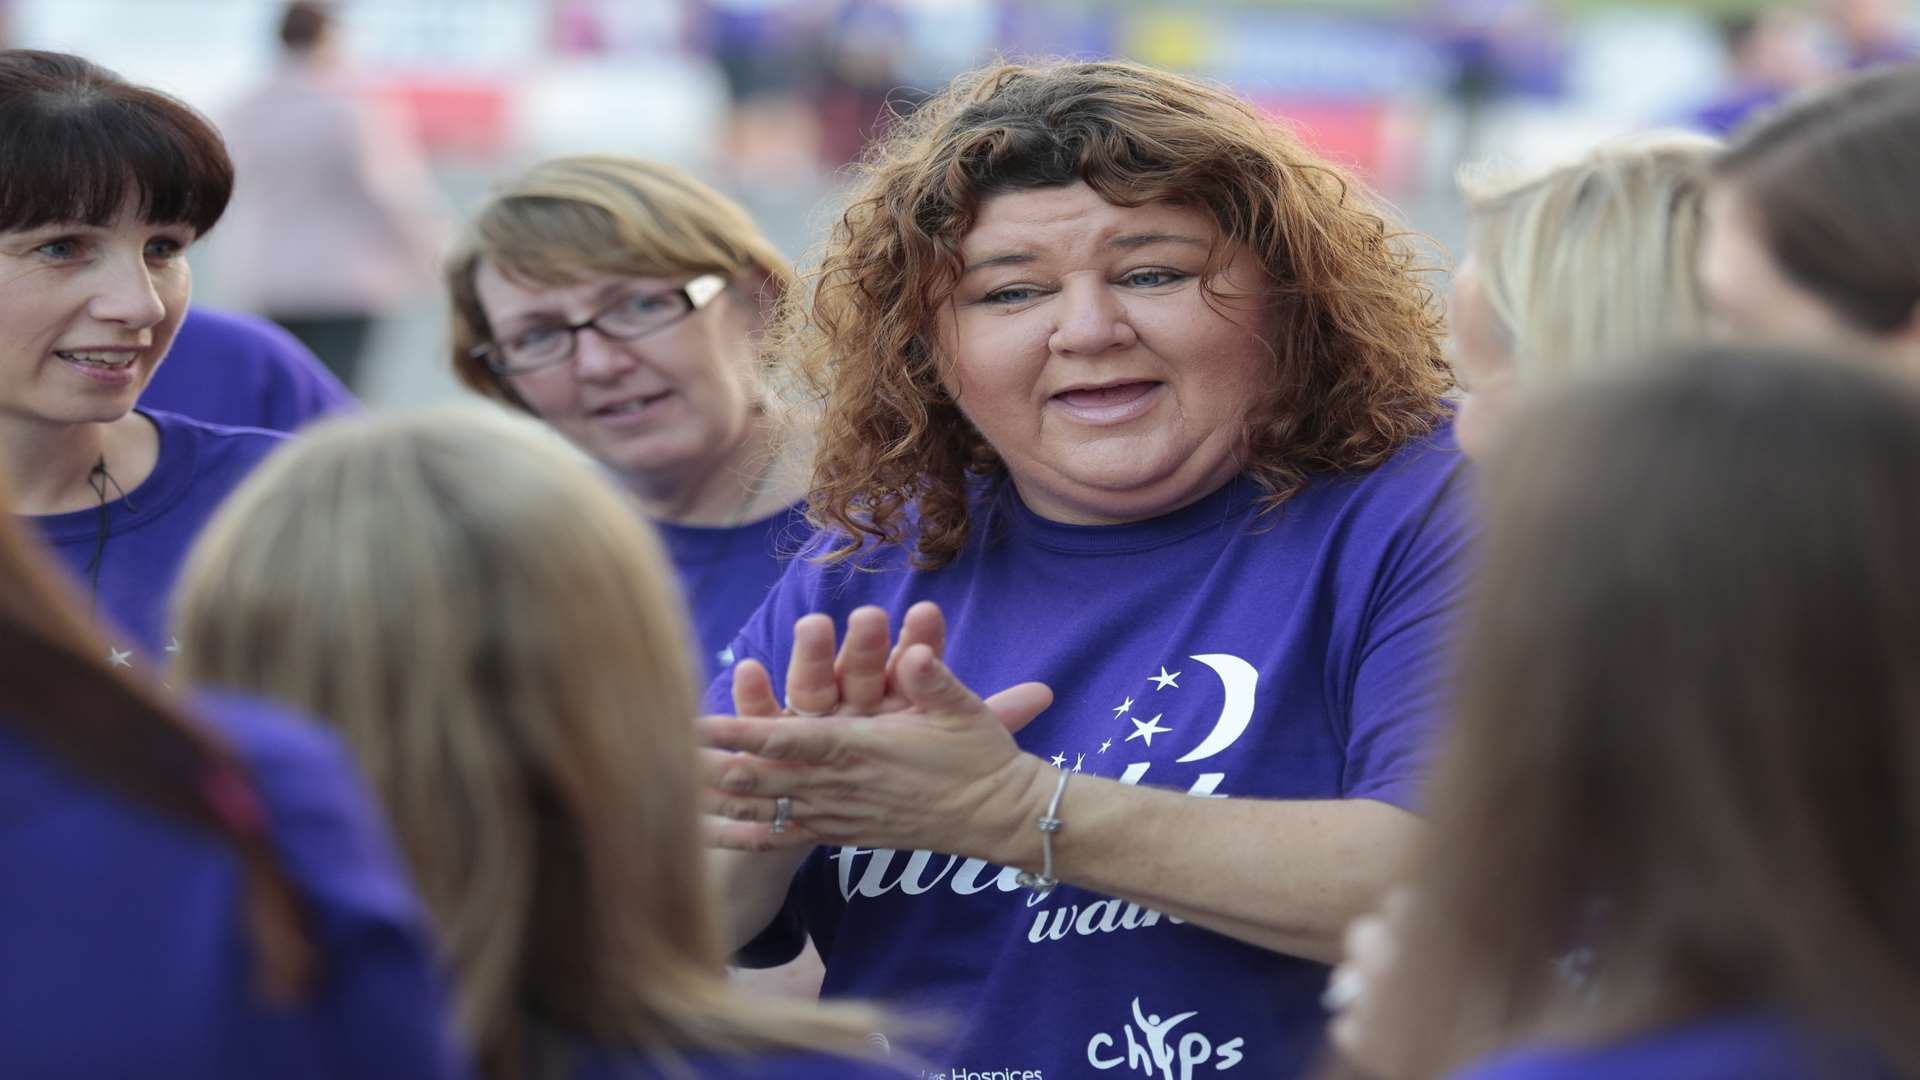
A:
<point x="1346" y="987"/>
<point x="782" y="813"/>
<point x="798" y="711"/>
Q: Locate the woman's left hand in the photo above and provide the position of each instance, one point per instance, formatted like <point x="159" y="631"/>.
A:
<point x="943" y="774"/>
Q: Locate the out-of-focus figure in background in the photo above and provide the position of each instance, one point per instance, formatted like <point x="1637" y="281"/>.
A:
<point x="335" y="219"/>
<point x="1812" y="223"/>
<point x="1771" y="53"/>
<point x="1573" y="268"/>
<point x="1872" y="32"/>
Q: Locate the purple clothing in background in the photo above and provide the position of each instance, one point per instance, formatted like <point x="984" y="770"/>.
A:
<point x="725" y="574"/>
<point x="1296" y="655"/>
<point x="243" y="371"/>
<point x="127" y="953"/>
<point x="148" y="531"/>
<point x="1744" y="1046"/>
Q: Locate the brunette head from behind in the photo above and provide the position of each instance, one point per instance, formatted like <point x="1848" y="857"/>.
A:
<point x="1686" y="734"/>
<point x="1812" y="223"/>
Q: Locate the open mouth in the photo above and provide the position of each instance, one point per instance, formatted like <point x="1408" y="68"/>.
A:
<point x="1116" y="403"/>
<point x="1101" y="396"/>
<point x="104" y="361"/>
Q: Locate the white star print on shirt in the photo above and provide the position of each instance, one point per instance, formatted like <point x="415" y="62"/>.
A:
<point x="1121" y="709"/>
<point x="1147" y="730"/>
<point x="120" y="657"/>
<point x="1164" y="680"/>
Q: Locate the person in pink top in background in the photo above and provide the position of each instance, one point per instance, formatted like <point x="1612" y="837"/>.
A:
<point x="335" y="218"/>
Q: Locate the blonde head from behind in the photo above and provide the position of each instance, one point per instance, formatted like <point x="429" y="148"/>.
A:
<point x="499" y="637"/>
<point x="1593" y="259"/>
<point x="1576" y="267"/>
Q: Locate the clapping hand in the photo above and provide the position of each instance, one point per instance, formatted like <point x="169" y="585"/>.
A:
<point x="879" y="745"/>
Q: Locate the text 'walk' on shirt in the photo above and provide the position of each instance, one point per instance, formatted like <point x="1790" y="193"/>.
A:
<point x="1216" y="651"/>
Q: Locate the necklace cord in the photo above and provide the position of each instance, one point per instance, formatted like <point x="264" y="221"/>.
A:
<point x="99" y="479"/>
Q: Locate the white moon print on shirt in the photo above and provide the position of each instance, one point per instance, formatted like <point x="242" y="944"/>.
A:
<point x="1239" y="678"/>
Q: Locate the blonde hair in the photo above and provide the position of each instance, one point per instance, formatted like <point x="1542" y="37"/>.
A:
<point x="497" y="632"/>
<point x="570" y="219"/>
<point x="1593" y="260"/>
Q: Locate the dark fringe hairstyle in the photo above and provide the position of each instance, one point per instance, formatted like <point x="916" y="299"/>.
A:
<point x="79" y="141"/>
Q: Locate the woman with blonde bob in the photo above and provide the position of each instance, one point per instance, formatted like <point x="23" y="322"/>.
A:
<point x="1149" y="399"/>
<point x="1576" y="267"/>
<point x="622" y="302"/>
<point x="494" y="630"/>
<point x="1685" y="747"/>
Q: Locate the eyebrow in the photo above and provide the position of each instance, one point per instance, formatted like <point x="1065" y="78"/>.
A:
<point x="1126" y="241"/>
<point x="545" y="316"/>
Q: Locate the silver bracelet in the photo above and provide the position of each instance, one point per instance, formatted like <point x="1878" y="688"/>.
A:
<point x="1050" y="823"/>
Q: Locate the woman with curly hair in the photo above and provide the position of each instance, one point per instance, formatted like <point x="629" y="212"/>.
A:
<point x="1150" y="399"/>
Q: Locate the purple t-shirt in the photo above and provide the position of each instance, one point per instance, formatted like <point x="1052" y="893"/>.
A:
<point x="628" y="1065"/>
<point x="1741" y="1046"/>
<point x="1296" y="655"/>
<point x="126" y="947"/>
<point x="243" y="371"/>
<point x="127" y="565"/>
<point x="726" y="572"/>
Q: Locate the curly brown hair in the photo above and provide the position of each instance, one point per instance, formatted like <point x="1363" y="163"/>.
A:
<point x="1357" y="369"/>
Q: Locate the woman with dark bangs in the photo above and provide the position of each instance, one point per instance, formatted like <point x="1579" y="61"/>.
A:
<point x="106" y="186"/>
<point x="1686" y="741"/>
<point x="206" y="896"/>
<point x="1148" y="398"/>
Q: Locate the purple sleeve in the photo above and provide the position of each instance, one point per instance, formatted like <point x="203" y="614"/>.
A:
<point x="767" y="637"/>
<point x="768" y="634"/>
<point x="243" y="371"/>
<point x="1399" y="692"/>
<point x="298" y="389"/>
<point x="381" y="1006"/>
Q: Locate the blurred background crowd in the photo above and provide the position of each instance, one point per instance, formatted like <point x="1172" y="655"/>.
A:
<point x="767" y="99"/>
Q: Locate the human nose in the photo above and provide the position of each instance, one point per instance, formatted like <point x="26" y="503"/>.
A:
<point x="1091" y="319"/>
<point x="597" y="356"/>
<point x="127" y="295"/>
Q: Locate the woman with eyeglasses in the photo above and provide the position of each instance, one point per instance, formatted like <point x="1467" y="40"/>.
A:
<point x="622" y="301"/>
